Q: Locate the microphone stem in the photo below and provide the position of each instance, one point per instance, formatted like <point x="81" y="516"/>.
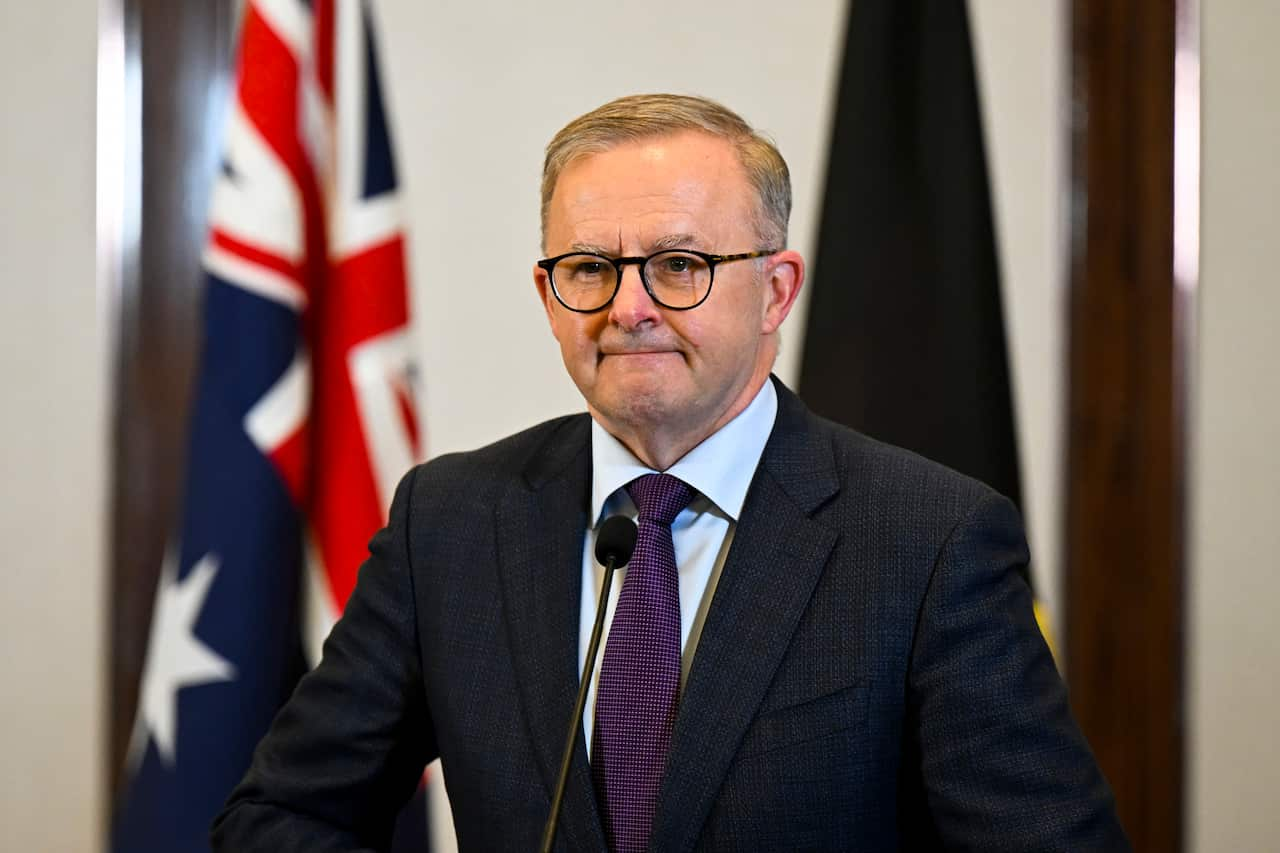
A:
<point x="575" y="724"/>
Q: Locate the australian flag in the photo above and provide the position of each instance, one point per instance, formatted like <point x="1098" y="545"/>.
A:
<point x="303" y="419"/>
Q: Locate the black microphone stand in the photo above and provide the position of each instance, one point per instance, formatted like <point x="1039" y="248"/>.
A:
<point x="613" y="542"/>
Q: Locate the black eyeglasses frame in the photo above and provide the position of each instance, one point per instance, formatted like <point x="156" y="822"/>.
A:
<point x="712" y="260"/>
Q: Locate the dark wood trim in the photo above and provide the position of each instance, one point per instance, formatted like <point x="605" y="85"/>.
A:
<point x="1124" y="555"/>
<point x="183" y="54"/>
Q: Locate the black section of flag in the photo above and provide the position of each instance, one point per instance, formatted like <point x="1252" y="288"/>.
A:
<point x="905" y="337"/>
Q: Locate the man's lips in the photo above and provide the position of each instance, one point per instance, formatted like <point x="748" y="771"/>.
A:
<point x="637" y="353"/>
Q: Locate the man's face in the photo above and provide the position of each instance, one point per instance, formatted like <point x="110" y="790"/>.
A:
<point x="643" y="368"/>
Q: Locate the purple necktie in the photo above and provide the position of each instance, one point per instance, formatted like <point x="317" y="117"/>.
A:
<point x="639" y="689"/>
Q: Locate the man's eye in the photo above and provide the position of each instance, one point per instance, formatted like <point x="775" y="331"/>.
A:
<point x="676" y="265"/>
<point x="588" y="269"/>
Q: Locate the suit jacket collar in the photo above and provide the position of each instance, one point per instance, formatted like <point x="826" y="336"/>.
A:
<point x="777" y="555"/>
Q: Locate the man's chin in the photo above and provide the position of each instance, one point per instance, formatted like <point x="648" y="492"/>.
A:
<point x="639" y="404"/>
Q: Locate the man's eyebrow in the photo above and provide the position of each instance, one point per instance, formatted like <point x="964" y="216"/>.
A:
<point x="674" y="241"/>
<point x="669" y="241"/>
<point x="590" y="249"/>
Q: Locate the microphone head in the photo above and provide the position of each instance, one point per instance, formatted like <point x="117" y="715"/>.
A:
<point x="616" y="540"/>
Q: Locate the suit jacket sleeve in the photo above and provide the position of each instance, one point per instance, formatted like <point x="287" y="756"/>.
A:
<point x="1002" y="763"/>
<point x="349" y="747"/>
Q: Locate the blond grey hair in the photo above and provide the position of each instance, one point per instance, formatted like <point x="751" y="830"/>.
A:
<point x="637" y="117"/>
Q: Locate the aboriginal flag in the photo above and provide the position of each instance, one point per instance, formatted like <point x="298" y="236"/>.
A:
<point x="906" y="337"/>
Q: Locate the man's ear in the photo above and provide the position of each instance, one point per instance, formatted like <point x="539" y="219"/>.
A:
<point x="784" y="276"/>
<point x="543" y="283"/>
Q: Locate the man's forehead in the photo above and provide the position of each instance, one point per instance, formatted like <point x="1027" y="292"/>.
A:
<point x="653" y="157"/>
<point x="663" y="192"/>
<point x="622" y="234"/>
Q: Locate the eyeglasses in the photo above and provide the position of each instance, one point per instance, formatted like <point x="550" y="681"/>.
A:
<point x="678" y="279"/>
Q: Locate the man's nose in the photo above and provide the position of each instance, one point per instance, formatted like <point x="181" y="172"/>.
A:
<point x="632" y="306"/>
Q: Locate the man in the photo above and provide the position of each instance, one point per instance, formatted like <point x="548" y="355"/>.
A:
<point x="821" y="642"/>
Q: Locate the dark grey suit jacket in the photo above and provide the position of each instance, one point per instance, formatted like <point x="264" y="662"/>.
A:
<point x="869" y="676"/>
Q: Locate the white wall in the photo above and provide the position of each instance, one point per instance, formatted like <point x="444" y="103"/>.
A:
<point x="1021" y="53"/>
<point x="52" y="433"/>
<point x="1234" y="578"/>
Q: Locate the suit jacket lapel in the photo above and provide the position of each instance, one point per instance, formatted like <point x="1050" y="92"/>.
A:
<point x="777" y="556"/>
<point x="541" y="523"/>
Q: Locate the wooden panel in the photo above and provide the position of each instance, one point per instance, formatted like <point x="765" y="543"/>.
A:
<point x="1125" y="468"/>
<point x="183" y="53"/>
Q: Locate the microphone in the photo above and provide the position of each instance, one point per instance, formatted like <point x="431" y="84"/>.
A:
<point x="614" y="544"/>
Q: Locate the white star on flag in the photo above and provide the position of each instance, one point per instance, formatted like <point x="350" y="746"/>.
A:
<point x="176" y="658"/>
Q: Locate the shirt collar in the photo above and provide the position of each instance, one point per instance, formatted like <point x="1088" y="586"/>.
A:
<point x="720" y="468"/>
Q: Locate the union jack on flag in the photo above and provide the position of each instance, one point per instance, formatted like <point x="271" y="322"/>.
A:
<point x="303" y="417"/>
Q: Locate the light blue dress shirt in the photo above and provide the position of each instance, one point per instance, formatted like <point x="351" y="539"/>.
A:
<point x="720" y="469"/>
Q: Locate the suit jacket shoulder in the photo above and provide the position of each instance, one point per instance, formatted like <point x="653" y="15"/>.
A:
<point x="901" y="496"/>
<point x="872" y="654"/>
<point x="533" y="454"/>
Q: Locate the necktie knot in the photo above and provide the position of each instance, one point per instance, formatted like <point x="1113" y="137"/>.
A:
<point x="660" y="497"/>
